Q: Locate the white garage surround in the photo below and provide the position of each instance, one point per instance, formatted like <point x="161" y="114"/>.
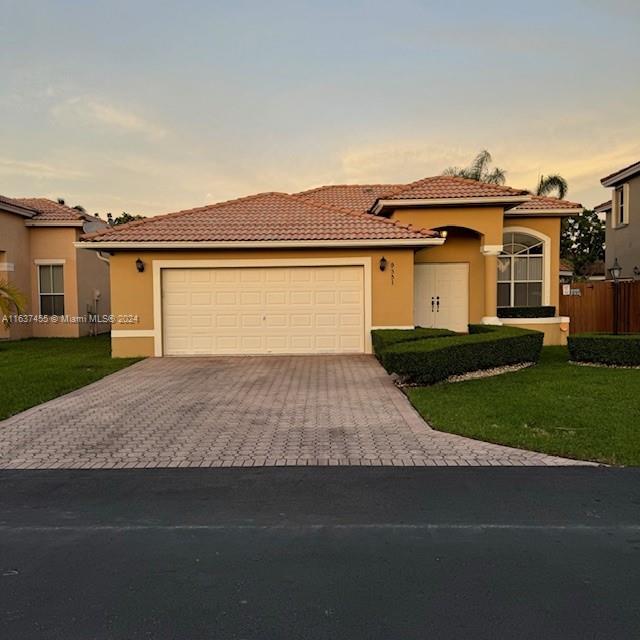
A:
<point x="272" y="284"/>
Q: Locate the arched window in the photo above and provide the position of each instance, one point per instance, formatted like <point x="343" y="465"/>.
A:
<point x="520" y="270"/>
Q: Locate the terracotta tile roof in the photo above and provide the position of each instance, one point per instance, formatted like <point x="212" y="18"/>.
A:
<point x="442" y="187"/>
<point x="261" y="217"/>
<point x="15" y="203"/>
<point x="46" y="209"/>
<point x="545" y="202"/>
<point x="359" y="197"/>
<point x="629" y="171"/>
<point x="603" y="206"/>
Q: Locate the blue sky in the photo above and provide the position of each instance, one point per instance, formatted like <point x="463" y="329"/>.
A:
<point x="151" y="107"/>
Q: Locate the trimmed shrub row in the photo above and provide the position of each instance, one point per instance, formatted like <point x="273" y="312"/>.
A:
<point x="429" y="361"/>
<point x="383" y="338"/>
<point x="606" y="348"/>
<point x="526" y="312"/>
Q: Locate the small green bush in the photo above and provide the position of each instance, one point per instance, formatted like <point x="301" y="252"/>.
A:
<point x="526" y="312"/>
<point x="606" y="348"/>
<point x="383" y="338"/>
<point x="430" y="361"/>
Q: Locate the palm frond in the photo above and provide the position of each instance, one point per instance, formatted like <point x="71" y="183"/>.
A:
<point x="480" y="164"/>
<point x="497" y="176"/>
<point x="552" y="185"/>
<point x="12" y="300"/>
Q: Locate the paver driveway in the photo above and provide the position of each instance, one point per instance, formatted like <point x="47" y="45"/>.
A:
<point x="240" y="411"/>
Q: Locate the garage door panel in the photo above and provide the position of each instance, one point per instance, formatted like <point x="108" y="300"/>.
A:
<point x="263" y="310"/>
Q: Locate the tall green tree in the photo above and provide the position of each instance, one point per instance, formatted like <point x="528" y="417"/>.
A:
<point x="479" y="169"/>
<point x="582" y="240"/>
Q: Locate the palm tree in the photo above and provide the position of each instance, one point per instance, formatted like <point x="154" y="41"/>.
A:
<point x="554" y="185"/>
<point x="479" y="170"/>
<point x="551" y="185"/>
<point x="12" y="300"/>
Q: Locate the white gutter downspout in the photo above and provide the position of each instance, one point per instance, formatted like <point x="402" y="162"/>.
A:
<point x="103" y="258"/>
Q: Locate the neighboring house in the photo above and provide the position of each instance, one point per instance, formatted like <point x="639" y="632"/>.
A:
<point x="37" y="255"/>
<point x="314" y="272"/>
<point x="623" y="220"/>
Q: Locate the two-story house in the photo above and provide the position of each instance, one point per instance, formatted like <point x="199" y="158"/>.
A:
<point x="623" y="220"/>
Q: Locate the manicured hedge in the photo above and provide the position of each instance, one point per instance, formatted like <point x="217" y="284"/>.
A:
<point x="383" y="338"/>
<point x="606" y="348"/>
<point x="430" y="361"/>
<point x="526" y="312"/>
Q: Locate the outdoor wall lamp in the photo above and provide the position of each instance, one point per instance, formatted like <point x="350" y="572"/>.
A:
<point x="139" y="265"/>
<point x="616" y="270"/>
<point x="636" y="272"/>
<point x="383" y="264"/>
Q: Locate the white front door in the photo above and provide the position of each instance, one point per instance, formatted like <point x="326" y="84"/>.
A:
<point x="441" y="296"/>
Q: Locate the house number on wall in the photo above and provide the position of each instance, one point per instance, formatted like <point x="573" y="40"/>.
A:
<point x="393" y="273"/>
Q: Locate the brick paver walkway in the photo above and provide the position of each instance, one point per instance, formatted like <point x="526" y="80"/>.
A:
<point x="213" y="412"/>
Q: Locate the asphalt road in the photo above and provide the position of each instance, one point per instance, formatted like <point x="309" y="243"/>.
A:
<point x="320" y="553"/>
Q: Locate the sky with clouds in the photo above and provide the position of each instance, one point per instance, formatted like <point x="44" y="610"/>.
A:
<point x="154" y="106"/>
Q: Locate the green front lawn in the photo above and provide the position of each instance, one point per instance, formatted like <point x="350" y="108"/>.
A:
<point x="39" y="369"/>
<point x="588" y="413"/>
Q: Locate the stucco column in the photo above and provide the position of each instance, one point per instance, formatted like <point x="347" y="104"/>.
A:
<point x="491" y="253"/>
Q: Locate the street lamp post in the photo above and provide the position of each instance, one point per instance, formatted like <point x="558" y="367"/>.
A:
<point x="615" y="271"/>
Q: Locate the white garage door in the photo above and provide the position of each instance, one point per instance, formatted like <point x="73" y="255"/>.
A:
<point x="263" y="310"/>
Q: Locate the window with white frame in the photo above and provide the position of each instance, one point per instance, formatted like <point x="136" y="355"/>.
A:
<point x="51" y="283"/>
<point x="520" y="270"/>
<point x="621" y="205"/>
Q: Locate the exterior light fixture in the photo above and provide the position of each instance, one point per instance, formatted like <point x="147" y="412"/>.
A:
<point x="139" y="265"/>
<point x="616" y="270"/>
<point x="636" y="272"/>
<point x="383" y="264"/>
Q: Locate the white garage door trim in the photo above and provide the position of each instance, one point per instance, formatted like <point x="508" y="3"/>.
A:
<point x="158" y="265"/>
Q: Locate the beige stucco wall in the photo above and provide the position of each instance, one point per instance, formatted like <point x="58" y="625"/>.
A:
<point x="93" y="275"/>
<point x="14" y="248"/>
<point x="554" y="334"/>
<point x="487" y="221"/>
<point x="49" y="243"/>
<point x="132" y="292"/>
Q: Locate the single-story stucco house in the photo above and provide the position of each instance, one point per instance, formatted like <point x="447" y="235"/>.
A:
<point x="38" y="255"/>
<point x="315" y="272"/>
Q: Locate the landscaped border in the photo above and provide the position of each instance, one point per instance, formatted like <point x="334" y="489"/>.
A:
<point x="427" y="361"/>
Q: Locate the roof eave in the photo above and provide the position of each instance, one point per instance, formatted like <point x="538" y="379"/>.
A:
<point x="21" y="211"/>
<point x="54" y="223"/>
<point x="106" y="245"/>
<point x="487" y="201"/>
<point x="616" y="178"/>
<point x="545" y="212"/>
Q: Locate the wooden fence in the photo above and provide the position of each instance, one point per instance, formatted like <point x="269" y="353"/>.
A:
<point x="591" y="306"/>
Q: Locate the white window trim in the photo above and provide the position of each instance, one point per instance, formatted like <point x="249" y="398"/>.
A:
<point x="159" y="265"/>
<point x="50" y="263"/>
<point x="615" y="206"/>
<point x="546" y="258"/>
